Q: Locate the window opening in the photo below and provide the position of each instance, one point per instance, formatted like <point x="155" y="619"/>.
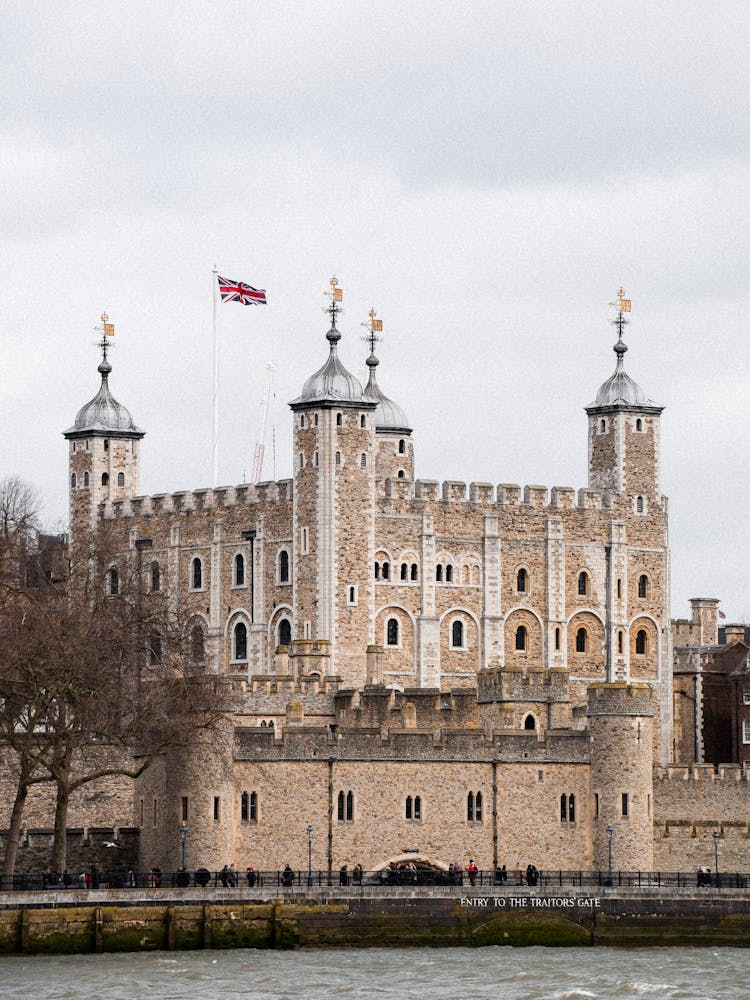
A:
<point x="521" y="637"/>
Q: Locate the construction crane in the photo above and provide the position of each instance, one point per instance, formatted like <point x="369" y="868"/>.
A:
<point x="260" y="444"/>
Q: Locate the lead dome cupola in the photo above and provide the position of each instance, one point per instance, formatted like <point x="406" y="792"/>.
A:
<point x="389" y="417"/>
<point x="103" y="414"/>
<point x="332" y="383"/>
<point x="620" y="389"/>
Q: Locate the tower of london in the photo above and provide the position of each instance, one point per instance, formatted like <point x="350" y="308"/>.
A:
<point x="420" y="668"/>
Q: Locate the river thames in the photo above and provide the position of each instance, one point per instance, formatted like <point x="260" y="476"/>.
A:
<point x="491" y="973"/>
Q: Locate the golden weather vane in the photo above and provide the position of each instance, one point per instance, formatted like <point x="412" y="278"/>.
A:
<point x="374" y="327"/>
<point x="622" y="305"/>
<point x="335" y="295"/>
<point x="107" y="329"/>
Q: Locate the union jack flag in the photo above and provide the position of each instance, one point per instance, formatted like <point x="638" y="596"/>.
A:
<point x="238" y="291"/>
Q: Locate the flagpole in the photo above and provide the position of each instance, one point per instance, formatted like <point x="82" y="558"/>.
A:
<point x="215" y="442"/>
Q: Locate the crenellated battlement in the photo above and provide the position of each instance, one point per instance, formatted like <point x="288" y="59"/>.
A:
<point x="552" y="498"/>
<point x="500" y="684"/>
<point x="726" y="773"/>
<point x="300" y="742"/>
<point x="188" y="501"/>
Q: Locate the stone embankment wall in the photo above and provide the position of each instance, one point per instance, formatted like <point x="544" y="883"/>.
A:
<point x="98" y="922"/>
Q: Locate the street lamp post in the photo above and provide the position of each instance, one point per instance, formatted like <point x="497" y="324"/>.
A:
<point x="309" y="855"/>
<point x="609" y="855"/>
<point x="183" y="845"/>
<point x="716" y="855"/>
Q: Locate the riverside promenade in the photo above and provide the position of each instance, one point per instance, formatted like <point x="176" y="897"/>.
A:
<point x="102" y="920"/>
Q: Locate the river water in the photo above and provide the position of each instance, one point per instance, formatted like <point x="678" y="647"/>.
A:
<point x="393" y="974"/>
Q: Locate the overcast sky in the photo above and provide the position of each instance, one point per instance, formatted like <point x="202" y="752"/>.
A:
<point x="485" y="174"/>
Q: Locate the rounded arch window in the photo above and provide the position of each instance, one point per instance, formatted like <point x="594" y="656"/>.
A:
<point x="283" y="566"/>
<point x="640" y="505"/>
<point x="120" y="478"/>
<point x="285" y="632"/>
<point x="239" y="570"/>
<point x="106" y="444"/>
<point x="619" y="642"/>
<point x="401" y="446"/>
<point x="643" y="585"/>
<point x="583" y="583"/>
<point x="105" y="479"/>
<point x="391" y="632"/>
<point x="521" y="637"/>
<point x="338" y="459"/>
<point x="197" y="644"/>
<point x="582" y="640"/>
<point x="522" y="581"/>
<point x="85" y="479"/>
<point x="641" y="642"/>
<point x="362" y="421"/>
<point x="155" y="577"/>
<point x="639" y="424"/>
<point x="113" y="580"/>
<point x="73" y="481"/>
<point x="557" y="638"/>
<point x="240" y="641"/>
<point x="196" y="574"/>
<point x="339" y="419"/>
<point x="414" y="571"/>
<point x="404" y="571"/>
<point x="529" y="722"/>
<point x="449" y="573"/>
<point x="401" y="474"/>
<point x="363" y="460"/>
<point x="602" y="426"/>
<point x="457" y="634"/>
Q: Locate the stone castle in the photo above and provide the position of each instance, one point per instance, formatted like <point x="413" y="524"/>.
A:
<point x="420" y="670"/>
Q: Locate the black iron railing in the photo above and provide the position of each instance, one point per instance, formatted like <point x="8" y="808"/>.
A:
<point x="385" y="879"/>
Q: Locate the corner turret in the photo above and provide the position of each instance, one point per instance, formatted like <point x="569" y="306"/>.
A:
<point x="624" y="430"/>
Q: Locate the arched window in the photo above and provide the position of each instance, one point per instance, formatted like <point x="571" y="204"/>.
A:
<point x="196" y="574"/>
<point x="583" y="583"/>
<point x="409" y="807"/>
<point x="571" y="808"/>
<point x="457" y="635"/>
<point x="413" y="807"/>
<point x="73" y="481"/>
<point x="339" y="420"/>
<point x="105" y="479"/>
<point x="521" y="581"/>
<point x="439" y="573"/>
<point x="581" y="640"/>
<point x="239" y="570"/>
<point x="602" y="426"/>
<point x="120" y="478"/>
<point x="113" y="580"/>
<point x="641" y="641"/>
<point x="338" y="459"/>
<point x="363" y="461"/>
<point x="639" y="424"/>
<point x="315" y="419"/>
<point x="301" y="461"/>
<point x="106" y="445"/>
<point x="283" y="566"/>
<point x="240" y="641"/>
<point x="377" y="570"/>
<point x="391" y="638"/>
<point x="401" y="446"/>
<point x="349" y="806"/>
<point x="643" y="585"/>
<point x="619" y="642"/>
<point x="563" y="808"/>
<point x="449" y="573"/>
<point x="404" y="571"/>
<point x="521" y="637"/>
<point x="470" y="807"/>
<point x="529" y="722"/>
<point x="401" y="474"/>
<point x="478" y="807"/>
<point x="245" y="807"/>
<point x="197" y="644"/>
<point x="155" y="577"/>
<point x="341" y="807"/>
<point x="316" y="460"/>
<point x="362" y="421"/>
<point x="154" y="648"/>
<point x="285" y="632"/>
<point x="639" y="505"/>
<point x="619" y="588"/>
<point x="385" y="570"/>
<point x="557" y="639"/>
<point x="254" y="803"/>
<point x="414" y="571"/>
<point x="86" y="479"/>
